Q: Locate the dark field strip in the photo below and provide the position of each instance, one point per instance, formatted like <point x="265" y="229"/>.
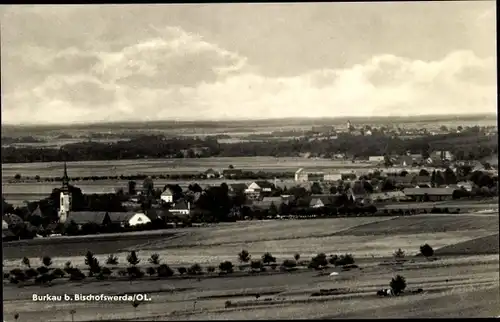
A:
<point x="478" y="246"/>
<point x="420" y="224"/>
<point x="76" y="246"/>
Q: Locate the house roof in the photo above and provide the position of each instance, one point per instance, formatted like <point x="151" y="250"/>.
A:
<point x="83" y="217"/>
<point x="5" y="225"/>
<point x="421" y="179"/>
<point x="264" y="184"/>
<point x="37" y="212"/>
<point x="181" y="205"/>
<point x="273" y="199"/>
<point x="265" y="204"/>
<point x="238" y="186"/>
<point x="155" y="213"/>
<point x="325" y="199"/>
<point x="121" y="216"/>
<point x="387" y="195"/>
<point x="402" y="180"/>
<point x="167" y="192"/>
<point x="429" y="191"/>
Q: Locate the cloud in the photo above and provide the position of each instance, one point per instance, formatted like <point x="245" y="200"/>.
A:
<point x="174" y="74"/>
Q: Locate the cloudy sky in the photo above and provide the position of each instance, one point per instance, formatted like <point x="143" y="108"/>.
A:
<point x="65" y="64"/>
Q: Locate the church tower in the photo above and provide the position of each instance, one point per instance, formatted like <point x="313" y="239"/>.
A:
<point x="65" y="197"/>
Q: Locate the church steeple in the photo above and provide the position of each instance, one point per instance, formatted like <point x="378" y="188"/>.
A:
<point x="65" y="179"/>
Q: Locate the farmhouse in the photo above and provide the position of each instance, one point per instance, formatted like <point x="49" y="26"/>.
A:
<point x="260" y="186"/>
<point x="167" y="196"/>
<point x="181" y="208"/>
<point x="319" y="201"/>
<point x="376" y="158"/>
<point x="429" y="194"/>
<point x="128" y="218"/>
<point x="86" y="217"/>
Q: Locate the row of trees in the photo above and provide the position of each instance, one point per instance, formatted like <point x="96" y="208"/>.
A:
<point x="157" y="146"/>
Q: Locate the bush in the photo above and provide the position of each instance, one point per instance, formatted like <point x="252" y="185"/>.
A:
<point x="398" y="284"/>
<point x="93" y="264"/>
<point x="105" y="271"/>
<point x="47" y="261"/>
<point x="296" y="256"/>
<point x="267" y="258"/>
<point x="154" y="259"/>
<point x="256" y="265"/>
<point x="30" y="273"/>
<point x="289" y="263"/>
<point x="112" y="260"/>
<point x="164" y="271"/>
<point x="42" y="270"/>
<point x="6" y="275"/>
<point x="346" y="259"/>
<point x="58" y="273"/>
<point x="319" y="261"/>
<point x="426" y="250"/>
<point x="195" y="269"/>
<point x="226" y="267"/>
<point x="16" y="271"/>
<point x="14" y="280"/>
<point x="227" y="304"/>
<point x="333" y="259"/>
<point x="274" y="266"/>
<point x="134" y="272"/>
<point x="399" y="254"/>
<point x="182" y="270"/>
<point x="211" y="269"/>
<point x="76" y="275"/>
<point x="151" y="271"/>
<point x="244" y="256"/>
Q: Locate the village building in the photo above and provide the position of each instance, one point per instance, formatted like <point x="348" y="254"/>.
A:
<point x="211" y="173"/>
<point x="429" y="194"/>
<point x="320" y="201"/>
<point x="167" y="196"/>
<point x="81" y="218"/>
<point x="128" y="218"/>
<point x="260" y="186"/>
<point x="181" y="208"/>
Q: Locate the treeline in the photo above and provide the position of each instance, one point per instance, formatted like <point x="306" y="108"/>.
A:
<point x="474" y="147"/>
<point x="244" y="175"/>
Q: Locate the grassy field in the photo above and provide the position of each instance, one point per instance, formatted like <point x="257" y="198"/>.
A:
<point x="166" y="166"/>
<point x="289" y="294"/>
<point x="212" y="245"/>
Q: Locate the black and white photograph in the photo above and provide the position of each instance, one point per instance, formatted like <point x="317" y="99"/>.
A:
<point x="244" y="161"/>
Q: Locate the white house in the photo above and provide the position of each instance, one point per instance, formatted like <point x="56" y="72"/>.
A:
<point x="260" y="186"/>
<point x="167" y="196"/>
<point x="332" y="177"/>
<point x="376" y="158"/>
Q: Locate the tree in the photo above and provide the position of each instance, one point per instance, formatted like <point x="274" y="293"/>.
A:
<point x="154" y="259"/>
<point x="211" y="269"/>
<point x="316" y="189"/>
<point x="17" y="176"/>
<point x="164" y="271"/>
<point x="333" y="190"/>
<point x="92" y="262"/>
<point x="133" y="259"/>
<point x="449" y="176"/>
<point x="151" y="271"/>
<point x="195" y="269"/>
<point x="182" y="270"/>
<point x="26" y="262"/>
<point x="226" y="267"/>
<point x="256" y="265"/>
<point x="112" y="260"/>
<point x="273" y="210"/>
<point x="296" y="256"/>
<point x="399" y="254"/>
<point x="132" y="188"/>
<point x="267" y="258"/>
<point x="423" y="173"/>
<point x="426" y="250"/>
<point x="47" y="261"/>
<point x="244" y="256"/>
<point x="398" y="284"/>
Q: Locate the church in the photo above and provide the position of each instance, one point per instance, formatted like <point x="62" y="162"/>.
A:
<point x="65" y="197"/>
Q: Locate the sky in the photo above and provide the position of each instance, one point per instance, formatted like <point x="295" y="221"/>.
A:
<point x="110" y="63"/>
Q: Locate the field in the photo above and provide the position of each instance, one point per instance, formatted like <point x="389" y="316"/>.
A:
<point x="459" y="278"/>
<point x="170" y="166"/>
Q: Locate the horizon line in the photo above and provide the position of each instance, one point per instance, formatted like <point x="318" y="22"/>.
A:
<point x="242" y="120"/>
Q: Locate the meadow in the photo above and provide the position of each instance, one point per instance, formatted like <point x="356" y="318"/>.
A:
<point x="465" y="278"/>
<point x="171" y="166"/>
